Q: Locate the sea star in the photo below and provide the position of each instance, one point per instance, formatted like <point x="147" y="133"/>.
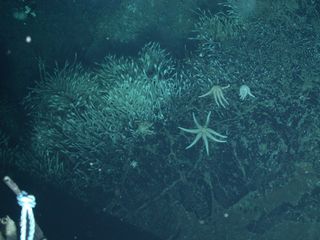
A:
<point x="218" y="95"/>
<point x="204" y="132"/>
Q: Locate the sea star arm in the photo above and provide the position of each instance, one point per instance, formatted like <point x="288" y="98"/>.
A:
<point x="196" y="122"/>
<point x="217" y="99"/>
<point x="250" y="94"/>
<point x="206" y="94"/>
<point x="222" y="100"/>
<point x="209" y="135"/>
<point x="215" y="133"/>
<point x="189" y="130"/>
<point x="206" y="144"/>
<point x="208" y="119"/>
<point x="194" y="141"/>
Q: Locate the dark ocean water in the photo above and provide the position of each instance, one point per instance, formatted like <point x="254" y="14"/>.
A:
<point x="157" y="119"/>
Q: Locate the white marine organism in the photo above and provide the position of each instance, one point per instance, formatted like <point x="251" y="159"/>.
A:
<point x="244" y="92"/>
<point x="204" y="132"/>
<point x="218" y="95"/>
<point x="23" y="13"/>
<point x="134" y="164"/>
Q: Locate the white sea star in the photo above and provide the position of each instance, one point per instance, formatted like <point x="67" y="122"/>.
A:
<point x="218" y="96"/>
<point x="204" y="132"/>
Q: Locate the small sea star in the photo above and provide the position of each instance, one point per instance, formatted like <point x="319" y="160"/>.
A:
<point x="204" y="132"/>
